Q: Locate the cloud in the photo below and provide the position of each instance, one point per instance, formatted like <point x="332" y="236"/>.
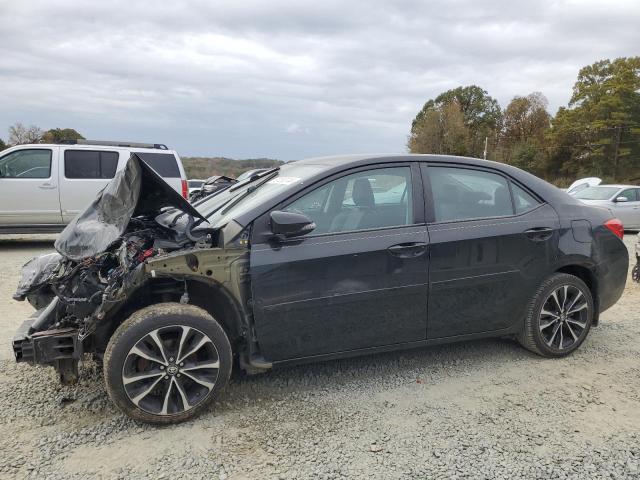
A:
<point x="225" y="77"/>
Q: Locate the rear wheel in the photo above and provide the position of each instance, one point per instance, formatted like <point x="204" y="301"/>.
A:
<point x="558" y="317"/>
<point x="166" y="363"/>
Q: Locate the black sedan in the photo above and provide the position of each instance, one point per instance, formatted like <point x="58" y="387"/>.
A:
<point x="315" y="260"/>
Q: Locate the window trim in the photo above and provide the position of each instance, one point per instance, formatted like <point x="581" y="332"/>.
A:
<point x="429" y="201"/>
<point x="99" y="152"/>
<point x="416" y="185"/>
<point x="50" y="150"/>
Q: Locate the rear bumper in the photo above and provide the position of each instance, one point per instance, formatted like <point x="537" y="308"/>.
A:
<point x="46" y="347"/>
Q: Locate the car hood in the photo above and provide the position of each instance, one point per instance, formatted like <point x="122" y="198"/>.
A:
<point x="134" y="191"/>
<point x="596" y="202"/>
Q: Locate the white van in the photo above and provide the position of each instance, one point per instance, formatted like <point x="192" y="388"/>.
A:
<point x="43" y="187"/>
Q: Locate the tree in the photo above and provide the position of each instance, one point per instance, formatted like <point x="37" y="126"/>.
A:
<point x="20" y="134"/>
<point x="2" y="145"/>
<point x="599" y="132"/>
<point x="481" y="117"/>
<point x="61" y="135"/>
<point x="525" y="122"/>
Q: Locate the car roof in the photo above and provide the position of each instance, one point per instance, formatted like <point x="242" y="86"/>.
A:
<point x="95" y="147"/>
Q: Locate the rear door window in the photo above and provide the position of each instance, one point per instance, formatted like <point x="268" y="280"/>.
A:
<point x="465" y="194"/>
<point x="523" y="201"/>
<point x="86" y="164"/>
<point x="165" y="164"/>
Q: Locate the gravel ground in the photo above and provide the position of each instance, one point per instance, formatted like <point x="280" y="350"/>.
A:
<point x="484" y="409"/>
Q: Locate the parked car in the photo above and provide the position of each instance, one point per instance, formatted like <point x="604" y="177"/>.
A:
<point x="194" y="184"/>
<point x="210" y="186"/>
<point x="583" y="183"/>
<point x="43" y="187"/>
<point x="622" y="200"/>
<point x="305" y="263"/>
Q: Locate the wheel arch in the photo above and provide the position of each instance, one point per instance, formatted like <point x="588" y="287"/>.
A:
<point x="587" y="275"/>
<point x="207" y="294"/>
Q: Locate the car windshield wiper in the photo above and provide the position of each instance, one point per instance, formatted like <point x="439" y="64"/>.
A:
<point x="235" y="200"/>
<point x="267" y="175"/>
<point x="253" y="178"/>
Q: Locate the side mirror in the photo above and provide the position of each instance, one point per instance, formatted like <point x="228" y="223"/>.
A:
<point x="621" y="199"/>
<point x="290" y="224"/>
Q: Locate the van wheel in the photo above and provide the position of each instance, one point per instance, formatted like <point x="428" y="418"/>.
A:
<point x="559" y="316"/>
<point x="166" y="363"/>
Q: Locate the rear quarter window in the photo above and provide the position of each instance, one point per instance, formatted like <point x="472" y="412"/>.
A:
<point x="165" y="164"/>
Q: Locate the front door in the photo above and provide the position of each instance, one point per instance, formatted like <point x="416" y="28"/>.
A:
<point x="359" y="280"/>
<point x="492" y="243"/>
<point x="628" y="212"/>
<point x="29" y="188"/>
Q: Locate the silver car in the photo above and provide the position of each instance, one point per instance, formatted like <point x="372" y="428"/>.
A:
<point x="622" y="200"/>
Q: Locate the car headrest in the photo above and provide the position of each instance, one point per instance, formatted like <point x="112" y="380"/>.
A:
<point x="363" y="193"/>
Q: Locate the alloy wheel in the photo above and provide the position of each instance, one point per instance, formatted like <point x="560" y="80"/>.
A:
<point x="170" y="370"/>
<point x="564" y="317"/>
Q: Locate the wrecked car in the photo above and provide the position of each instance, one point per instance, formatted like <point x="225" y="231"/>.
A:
<point x="211" y="185"/>
<point x="314" y="260"/>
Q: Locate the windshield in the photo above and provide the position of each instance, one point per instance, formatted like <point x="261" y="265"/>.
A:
<point x="597" y="193"/>
<point x="241" y="198"/>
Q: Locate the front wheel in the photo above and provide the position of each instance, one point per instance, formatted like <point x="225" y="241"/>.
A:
<point x="559" y="316"/>
<point x="166" y="363"/>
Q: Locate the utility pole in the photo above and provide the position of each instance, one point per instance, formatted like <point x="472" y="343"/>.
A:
<point x="486" y="141"/>
<point x="615" y="152"/>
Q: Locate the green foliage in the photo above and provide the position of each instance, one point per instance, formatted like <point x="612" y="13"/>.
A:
<point x="60" y="135"/>
<point x="2" y="145"/>
<point x="456" y="122"/>
<point x="596" y="134"/>
<point x="205" y="167"/>
<point x="599" y="132"/>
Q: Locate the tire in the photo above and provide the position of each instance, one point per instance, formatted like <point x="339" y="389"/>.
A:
<point x="550" y="328"/>
<point x="180" y="358"/>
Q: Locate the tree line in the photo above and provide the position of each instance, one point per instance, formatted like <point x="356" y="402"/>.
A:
<point x="596" y="134"/>
<point x="20" y="134"/>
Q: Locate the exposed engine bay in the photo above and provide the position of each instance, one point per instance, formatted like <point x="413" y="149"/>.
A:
<point x="103" y="258"/>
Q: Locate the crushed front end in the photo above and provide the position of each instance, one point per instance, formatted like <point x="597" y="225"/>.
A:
<point x="81" y="292"/>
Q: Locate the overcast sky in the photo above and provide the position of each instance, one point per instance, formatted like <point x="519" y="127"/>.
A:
<point x="287" y="79"/>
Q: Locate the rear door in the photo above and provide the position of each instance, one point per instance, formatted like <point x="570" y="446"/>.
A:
<point x="29" y="188"/>
<point x="492" y="243"/>
<point x="83" y="173"/>
<point x="359" y="280"/>
<point x="628" y="212"/>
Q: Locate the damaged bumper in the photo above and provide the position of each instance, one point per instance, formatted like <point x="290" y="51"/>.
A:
<point x="47" y="347"/>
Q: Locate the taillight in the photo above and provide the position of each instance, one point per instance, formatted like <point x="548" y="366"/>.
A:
<point x="185" y="189"/>
<point x="616" y="227"/>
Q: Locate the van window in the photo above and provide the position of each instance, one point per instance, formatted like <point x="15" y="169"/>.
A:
<point x="31" y="163"/>
<point x="90" y="164"/>
<point x="165" y="164"/>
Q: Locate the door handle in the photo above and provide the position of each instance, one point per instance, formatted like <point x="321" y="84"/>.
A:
<point x="408" y="250"/>
<point x="539" y="234"/>
<point x="47" y="186"/>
